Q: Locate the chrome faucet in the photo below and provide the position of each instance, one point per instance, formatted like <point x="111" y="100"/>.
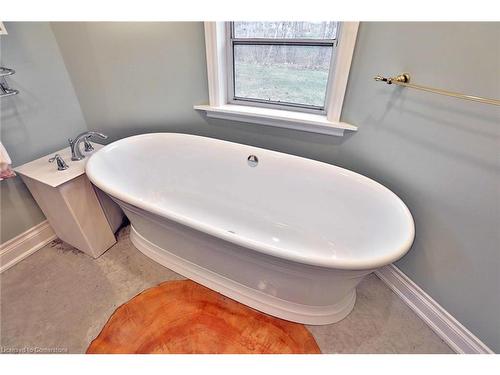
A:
<point x="76" y="153"/>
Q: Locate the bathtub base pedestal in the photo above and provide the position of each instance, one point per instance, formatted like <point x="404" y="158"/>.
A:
<point x="295" y="312"/>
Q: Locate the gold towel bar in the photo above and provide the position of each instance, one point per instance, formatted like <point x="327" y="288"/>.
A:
<point x="404" y="80"/>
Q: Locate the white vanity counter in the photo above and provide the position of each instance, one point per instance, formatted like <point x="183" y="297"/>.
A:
<point x="43" y="171"/>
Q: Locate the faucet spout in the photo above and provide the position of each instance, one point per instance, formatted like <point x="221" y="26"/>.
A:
<point x="76" y="153"/>
<point x="96" y="134"/>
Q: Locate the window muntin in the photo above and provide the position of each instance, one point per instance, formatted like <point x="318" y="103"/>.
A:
<point x="281" y="64"/>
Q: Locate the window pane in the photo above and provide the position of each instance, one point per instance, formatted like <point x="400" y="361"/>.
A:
<point x="282" y="73"/>
<point x="286" y="30"/>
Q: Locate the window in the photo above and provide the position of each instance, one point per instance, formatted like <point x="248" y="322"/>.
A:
<point x="286" y="74"/>
<point x="280" y="64"/>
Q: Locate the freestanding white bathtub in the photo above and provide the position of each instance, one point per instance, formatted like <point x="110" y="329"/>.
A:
<point x="288" y="236"/>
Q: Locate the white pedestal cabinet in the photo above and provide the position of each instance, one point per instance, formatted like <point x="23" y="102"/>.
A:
<point x="79" y="213"/>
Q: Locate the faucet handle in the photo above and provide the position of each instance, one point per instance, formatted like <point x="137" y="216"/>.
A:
<point x="70" y="141"/>
<point x="87" y="145"/>
<point x="61" y="164"/>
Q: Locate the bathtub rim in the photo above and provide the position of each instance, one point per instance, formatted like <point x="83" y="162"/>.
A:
<point x="381" y="259"/>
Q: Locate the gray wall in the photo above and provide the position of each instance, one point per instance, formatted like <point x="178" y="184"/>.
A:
<point x="136" y="77"/>
<point x="440" y="155"/>
<point x="38" y="120"/>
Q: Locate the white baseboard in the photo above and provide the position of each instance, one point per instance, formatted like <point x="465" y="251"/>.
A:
<point x="459" y="338"/>
<point x="25" y="244"/>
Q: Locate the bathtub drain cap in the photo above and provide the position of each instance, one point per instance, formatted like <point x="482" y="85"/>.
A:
<point x="253" y="160"/>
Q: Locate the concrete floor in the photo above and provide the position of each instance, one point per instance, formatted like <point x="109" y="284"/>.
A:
<point x="60" y="298"/>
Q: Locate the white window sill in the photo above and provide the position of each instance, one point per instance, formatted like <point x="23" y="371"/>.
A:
<point x="276" y="117"/>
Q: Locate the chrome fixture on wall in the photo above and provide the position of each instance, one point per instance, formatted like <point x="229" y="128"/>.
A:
<point x="404" y="80"/>
<point x="76" y="153"/>
<point x="5" y="89"/>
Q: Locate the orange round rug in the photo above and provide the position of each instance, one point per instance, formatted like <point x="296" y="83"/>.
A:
<point x="185" y="317"/>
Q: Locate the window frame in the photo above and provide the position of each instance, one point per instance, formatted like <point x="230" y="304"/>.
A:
<point x="220" y="107"/>
<point x="231" y="41"/>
